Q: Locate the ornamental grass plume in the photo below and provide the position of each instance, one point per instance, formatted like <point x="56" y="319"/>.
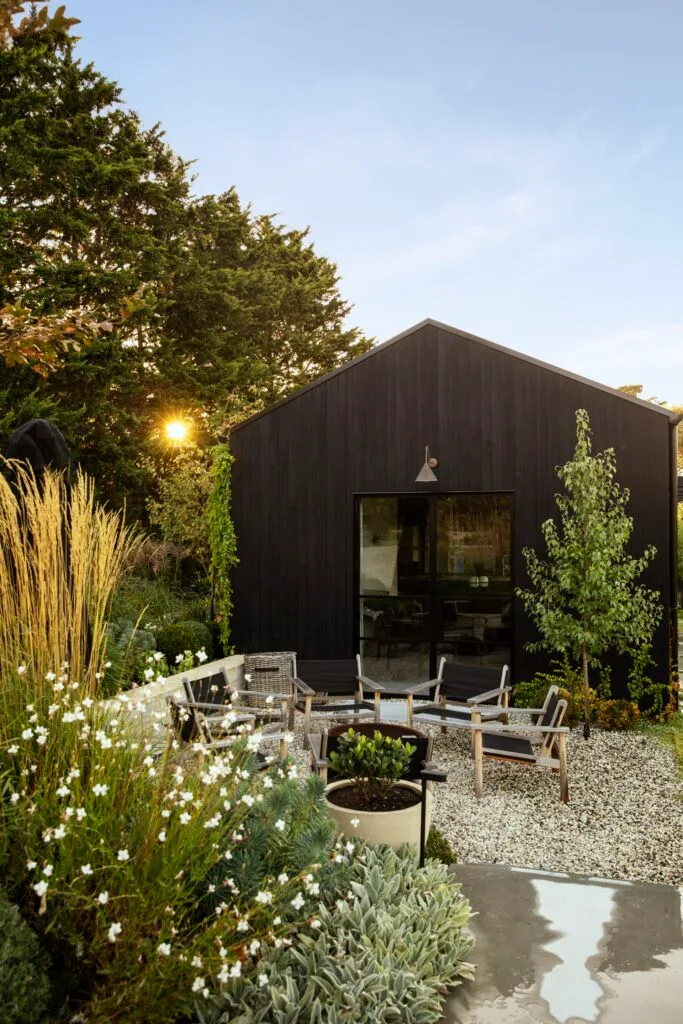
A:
<point x="61" y="558"/>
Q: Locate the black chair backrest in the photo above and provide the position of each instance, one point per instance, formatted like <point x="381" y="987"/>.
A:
<point x="337" y="678"/>
<point x="419" y="740"/>
<point x="212" y="689"/>
<point x="547" y="718"/>
<point x="462" y="682"/>
<point x="184" y="721"/>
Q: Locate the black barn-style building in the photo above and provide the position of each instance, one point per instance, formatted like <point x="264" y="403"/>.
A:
<point x="342" y="549"/>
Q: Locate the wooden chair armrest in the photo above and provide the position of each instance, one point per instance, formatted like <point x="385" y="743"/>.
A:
<point x="371" y="684"/>
<point x="218" y="709"/>
<point x="303" y="687"/>
<point x="420" y="687"/>
<point x="314" y="741"/>
<point x="528" y="711"/>
<point x="480" y="698"/>
<point x="262" y="693"/>
<point x="432" y="772"/>
<point x="538" y="730"/>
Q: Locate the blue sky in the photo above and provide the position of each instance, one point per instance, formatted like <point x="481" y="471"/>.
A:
<point x="511" y="167"/>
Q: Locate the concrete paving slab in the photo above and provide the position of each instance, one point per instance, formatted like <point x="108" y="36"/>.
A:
<point x="567" y="949"/>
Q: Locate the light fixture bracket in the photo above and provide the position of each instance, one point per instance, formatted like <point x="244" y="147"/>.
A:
<point x="426" y="474"/>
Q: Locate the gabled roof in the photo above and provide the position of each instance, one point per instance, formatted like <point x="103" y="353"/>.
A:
<point x="674" y="417"/>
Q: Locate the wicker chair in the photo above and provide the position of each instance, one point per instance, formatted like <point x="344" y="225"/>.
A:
<point x="268" y="672"/>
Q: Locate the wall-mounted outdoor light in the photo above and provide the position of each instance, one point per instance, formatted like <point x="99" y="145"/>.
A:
<point x="426" y="474"/>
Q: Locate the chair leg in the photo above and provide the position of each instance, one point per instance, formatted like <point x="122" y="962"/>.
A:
<point x="410" y="709"/>
<point x="442" y="702"/>
<point x="290" y="717"/>
<point x="564" y="780"/>
<point x="284" y="749"/>
<point x="307" y="715"/>
<point x="478" y="757"/>
<point x="378" y="699"/>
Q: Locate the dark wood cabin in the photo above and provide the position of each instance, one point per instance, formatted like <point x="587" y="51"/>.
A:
<point x="341" y="548"/>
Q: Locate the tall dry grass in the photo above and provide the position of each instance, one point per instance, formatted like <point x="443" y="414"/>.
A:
<point x="61" y="557"/>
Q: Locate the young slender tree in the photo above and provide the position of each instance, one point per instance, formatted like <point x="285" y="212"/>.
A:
<point x="583" y="595"/>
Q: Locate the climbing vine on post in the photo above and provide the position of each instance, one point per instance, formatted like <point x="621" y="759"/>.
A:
<point x="584" y="597"/>
<point x="222" y="537"/>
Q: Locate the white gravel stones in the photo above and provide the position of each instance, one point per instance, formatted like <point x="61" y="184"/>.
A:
<point x="624" y="818"/>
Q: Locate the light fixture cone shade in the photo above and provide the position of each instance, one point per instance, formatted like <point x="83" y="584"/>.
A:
<point x="426" y="475"/>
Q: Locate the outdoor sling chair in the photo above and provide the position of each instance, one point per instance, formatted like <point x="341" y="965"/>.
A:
<point x="420" y="768"/>
<point x="457" y="688"/>
<point x="543" y="744"/>
<point x="215" y="688"/>
<point x="334" y="689"/>
<point x="196" y="722"/>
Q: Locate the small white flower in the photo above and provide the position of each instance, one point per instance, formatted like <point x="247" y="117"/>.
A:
<point x="63" y="791"/>
<point x="198" y="985"/>
<point x="107" y="664"/>
<point x="60" y="832"/>
<point x="148" y="762"/>
<point x="178" y="658"/>
<point x="315" y="923"/>
<point x="162" y="837"/>
<point x="103" y="898"/>
<point x="14" y="749"/>
<point x="280" y="824"/>
<point x="14" y="798"/>
<point x="243" y="925"/>
<point x="185" y="818"/>
<point x="80" y="813"/>
<point x="32" y="864"/>
<point x="27" y="734"/>
<point x="86" y="869"/>
<point x="355" y="822"/>
<point x="50" y="676"/>
<point x="40" y="888"/>
<point x="283" y="878"/>
<point x="236" y="969"/>
<point x="100" y="788"/>
<point x="123" y="855"/>
<point x="21" y="669"/>
<point x="164" y="949"/>
<point x="298" y="901"/>
<point x="47" y="870"/>
<point x="87" y="702"/>
<point x="148" y="673"/>
<point x="114" y="930"/>
<point x="264" y="897"/>
<point x="201" y="655"/>
<point x="158" y="655"/>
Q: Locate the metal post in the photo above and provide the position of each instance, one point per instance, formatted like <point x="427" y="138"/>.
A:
<point x="423" y="823"/>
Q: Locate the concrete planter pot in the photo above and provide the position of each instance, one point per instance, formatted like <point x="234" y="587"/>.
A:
<point x="392" y="827"/>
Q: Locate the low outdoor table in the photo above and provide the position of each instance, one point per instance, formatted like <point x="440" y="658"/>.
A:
<point x="398" y="688"/>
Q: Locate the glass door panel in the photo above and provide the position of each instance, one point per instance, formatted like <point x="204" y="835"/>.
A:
<point x="434" y="579"/>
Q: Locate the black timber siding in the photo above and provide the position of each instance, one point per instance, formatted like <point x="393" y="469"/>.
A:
<point x="496" y="422"/>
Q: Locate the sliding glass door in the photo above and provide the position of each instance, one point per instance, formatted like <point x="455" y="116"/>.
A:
<point x="433" y="579"/>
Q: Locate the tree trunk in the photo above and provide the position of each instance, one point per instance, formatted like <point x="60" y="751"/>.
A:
<point x="586" y="724"/>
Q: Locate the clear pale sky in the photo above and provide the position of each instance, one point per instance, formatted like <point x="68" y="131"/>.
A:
<point x="511" y="167"/>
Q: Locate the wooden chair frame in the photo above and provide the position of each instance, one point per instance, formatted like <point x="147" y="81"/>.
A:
<point x="207" y="729"/>
<point x="272" y="705"/>
<point x="550" y="741"/>
<point x="310" y="702"/>
<point x="452" y="712"/>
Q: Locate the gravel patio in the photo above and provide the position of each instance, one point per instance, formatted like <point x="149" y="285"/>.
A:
<point x="624" y="819"/>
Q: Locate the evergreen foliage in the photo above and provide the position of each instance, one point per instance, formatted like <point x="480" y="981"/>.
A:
<point x="172" y="640"/>
<point x="23" y="969"/>
<point x="583" y="597"/>
<point x="216" y="311"/>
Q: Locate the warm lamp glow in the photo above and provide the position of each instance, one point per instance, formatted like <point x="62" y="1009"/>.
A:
<point x="176" y="430"/>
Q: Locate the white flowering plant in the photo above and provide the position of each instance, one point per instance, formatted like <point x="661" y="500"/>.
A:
<point x="152" y="876"/>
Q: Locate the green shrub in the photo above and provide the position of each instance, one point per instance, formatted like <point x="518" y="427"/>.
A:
<point x="616" y="715"/>
<point x="127" y="650"/>
<point x="155" y="603"/>
<point x="24" y="986"/>
<point x="383" y="952"/>
<point x="181" y="636"/>
<point x="373" y="764"/>
<point x="532" y="694"/>
<point x="437" y="847"/>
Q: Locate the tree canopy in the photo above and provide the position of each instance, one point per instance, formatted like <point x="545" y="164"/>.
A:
<point x="209" y="309"/>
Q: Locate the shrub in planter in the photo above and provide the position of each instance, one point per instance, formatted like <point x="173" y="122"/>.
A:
<point x="24" y="986"/>
<point x="180" y="636"/>
<point x="616" y="714"/>
<point x="383" y="952"/>
<point x="373" y="765"/>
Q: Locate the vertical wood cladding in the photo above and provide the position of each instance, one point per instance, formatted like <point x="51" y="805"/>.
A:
<point x="494" y="420"/>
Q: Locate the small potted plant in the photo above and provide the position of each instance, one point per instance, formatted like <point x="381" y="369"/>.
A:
<point x="372" y="800"/>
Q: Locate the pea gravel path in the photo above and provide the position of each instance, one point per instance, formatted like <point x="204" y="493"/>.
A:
<point x="624" y="818"/>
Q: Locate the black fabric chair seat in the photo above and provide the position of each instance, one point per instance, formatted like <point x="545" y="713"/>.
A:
<point x="334" y="707"/>
<point x="336" y="678"/>
<point x="455" y="715"/>
<point x="508" y="745"/>
<point x="462" y="682"/>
